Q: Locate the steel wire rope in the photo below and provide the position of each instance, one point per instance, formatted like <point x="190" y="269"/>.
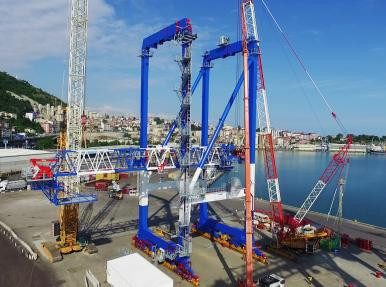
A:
<point x="292" y="68"/>
<point x="299" y="60"/>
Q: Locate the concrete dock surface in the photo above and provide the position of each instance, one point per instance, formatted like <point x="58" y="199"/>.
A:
<point x="112" y="223"/>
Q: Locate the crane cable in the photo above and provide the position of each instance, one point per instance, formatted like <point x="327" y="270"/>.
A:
<point x="292" y="68"/>
<point x="299" y="60"/>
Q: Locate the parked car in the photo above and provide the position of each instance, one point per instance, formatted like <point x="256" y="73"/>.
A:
<point x="272" y="280"/>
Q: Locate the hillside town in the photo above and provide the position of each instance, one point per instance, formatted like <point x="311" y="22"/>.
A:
<point x="105" y="130"/>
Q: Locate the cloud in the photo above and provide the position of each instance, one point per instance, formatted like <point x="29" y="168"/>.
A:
<point x="35" y="30"/>
<point x="31" y="30"/>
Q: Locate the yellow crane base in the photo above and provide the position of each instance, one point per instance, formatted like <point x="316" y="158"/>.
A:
<point x="53" y="251"/>
<point x="69" y="249"/>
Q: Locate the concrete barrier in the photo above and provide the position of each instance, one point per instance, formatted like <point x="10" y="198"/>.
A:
<point x="19" y="244"/>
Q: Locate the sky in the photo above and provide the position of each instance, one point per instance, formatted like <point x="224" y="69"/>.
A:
<point x="342" y="43"/>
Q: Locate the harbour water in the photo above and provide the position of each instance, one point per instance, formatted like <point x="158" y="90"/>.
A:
<point x="365" y="194"/>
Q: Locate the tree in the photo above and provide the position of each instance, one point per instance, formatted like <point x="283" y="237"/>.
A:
<point x="158" y="120"/>
<point x="45" y="143"/>
<point x="338" y="138"/>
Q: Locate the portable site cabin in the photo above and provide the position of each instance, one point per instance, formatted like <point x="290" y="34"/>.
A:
<point x="135" y="271"/>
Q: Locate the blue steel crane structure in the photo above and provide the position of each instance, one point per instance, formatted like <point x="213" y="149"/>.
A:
<point x="145" y="160"/>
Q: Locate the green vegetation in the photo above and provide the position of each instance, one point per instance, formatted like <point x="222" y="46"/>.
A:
<point x="158" y="120"/>
<point x="19" y="107"/>
<point x="360" y="139"/>
<point x="45" y="143"/>
<point x="21" y="123"/>
<point x="10" y="104"/>
<point x="21" y="87"/>
<point x="367" y="138"/>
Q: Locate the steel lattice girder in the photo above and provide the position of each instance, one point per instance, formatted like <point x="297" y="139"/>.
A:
<point x="99" y="161"/>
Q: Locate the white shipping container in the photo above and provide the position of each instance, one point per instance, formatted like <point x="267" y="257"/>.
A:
<point x="135" y="271"/>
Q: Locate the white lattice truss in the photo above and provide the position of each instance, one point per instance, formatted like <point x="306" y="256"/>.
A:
<point x="307" y="204"/>
<point x="76" y="72"/>
<point x="250" y="20"/>
<point x="76" y="80"/>
<point x="273" y="190"/>
<point x="100" y="161"/>
<point x="161" y="158"/>
<point x="262" y="111"/>
<point x="214" y="157"/>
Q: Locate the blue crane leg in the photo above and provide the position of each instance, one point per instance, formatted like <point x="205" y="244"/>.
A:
<point x="221" y="121"/>
<point x="204" y="128"/>
<point x="144" y="99"/>
<point x="252" y="102"/>
<point x="174" y="124"/>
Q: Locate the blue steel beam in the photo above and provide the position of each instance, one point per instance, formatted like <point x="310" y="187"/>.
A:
<point x="252" y="71"/>
<point x="222" y="52"/>
<point x="174" y="31"/>
<point x="144" y="99"/>
<point x="167" y="34"/>
<point x="218" y="53"/>
<point x="236" y="235"/>
<point x="221" y="122"/>
<point x="181" y="27"/>
<point x="174" y="124"/>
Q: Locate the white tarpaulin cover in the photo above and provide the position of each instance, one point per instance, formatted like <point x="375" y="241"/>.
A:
<point x="135" y="271"/>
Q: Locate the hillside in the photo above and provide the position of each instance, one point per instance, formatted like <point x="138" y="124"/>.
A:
<point x="21" y="87"/>
<point x="17" y="97"/>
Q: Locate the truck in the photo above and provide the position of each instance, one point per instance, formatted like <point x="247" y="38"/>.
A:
<point x="7" y="185"/>
<point x="272" y="280"/>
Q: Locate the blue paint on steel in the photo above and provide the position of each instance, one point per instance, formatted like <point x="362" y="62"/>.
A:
<point x="170" y="133"/>
<point x="205" y="106"/>
<point x="179" y="28"/>
<point x="252" y="98"/>
<point x="167" y="34"/>
<point x="236" y="235"/>
<point x="196" y="81"/>
<point x="174" y="124"/>
<point x="221" y="121"/>
<point x="223" y="52"/>
<point x="128" y="159"/>
<point x="146" y="234"/>
<point x="218" y="53"/>
<point x="153" y="243"/>
<point x="52" y="189"/>
<point x="144" y="98"/>
<point x="122" y="159"/>
<point x="204" y="127"/>
<point x="143" y="212"/>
